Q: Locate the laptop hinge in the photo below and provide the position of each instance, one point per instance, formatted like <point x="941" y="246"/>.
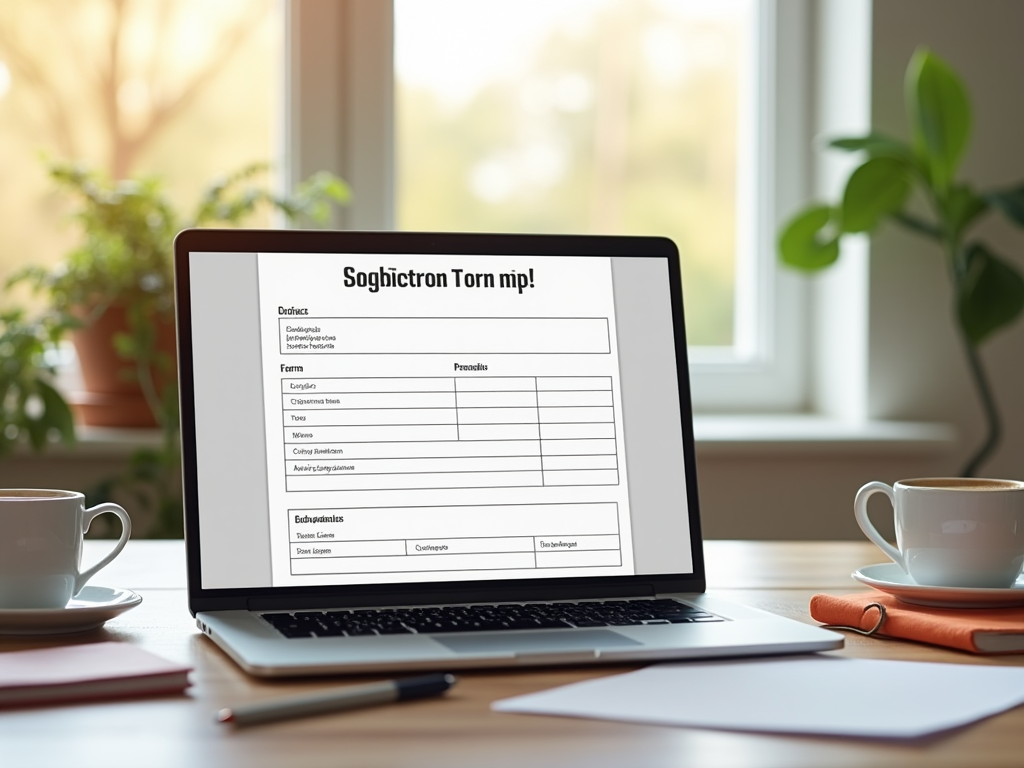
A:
<point x="307" y="602"/>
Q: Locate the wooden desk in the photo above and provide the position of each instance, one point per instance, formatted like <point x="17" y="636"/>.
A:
<point x="460" y="729"/>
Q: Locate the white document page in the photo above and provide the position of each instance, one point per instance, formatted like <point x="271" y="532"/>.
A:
<point x="816" y="695"/>
<point x="442" y="418"/>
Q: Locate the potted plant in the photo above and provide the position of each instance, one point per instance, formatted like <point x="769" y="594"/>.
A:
<point x="895" y="180"/>
<point x="114" y="292"/>
<point x="31" y="408"/>
<point x="114" y="296"/>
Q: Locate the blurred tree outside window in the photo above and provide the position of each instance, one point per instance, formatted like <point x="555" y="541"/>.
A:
<point x="604" y="116"/>
<point x="584" y="116"/>
<point x="185" y="90"/>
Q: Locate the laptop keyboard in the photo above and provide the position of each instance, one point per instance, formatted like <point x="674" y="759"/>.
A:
<point x="483" y="618"/>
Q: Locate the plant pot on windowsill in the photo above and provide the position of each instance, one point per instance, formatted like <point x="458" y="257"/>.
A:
<point x="112" y="395"/>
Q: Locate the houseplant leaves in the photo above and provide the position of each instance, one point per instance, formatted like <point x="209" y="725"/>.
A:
<point x="939" y="113"/>
<point x="991" y="294"/>
<point x="805" y="242"/>
<point x="878" y="187"/>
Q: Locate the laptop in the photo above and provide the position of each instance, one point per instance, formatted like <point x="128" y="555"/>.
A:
<point x="438" y="451"/>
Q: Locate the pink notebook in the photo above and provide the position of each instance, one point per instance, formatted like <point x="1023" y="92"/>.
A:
<point x="85" y="672"/>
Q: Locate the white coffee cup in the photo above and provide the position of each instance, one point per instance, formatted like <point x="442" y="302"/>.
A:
<point x="41" y="546"/>
<point x="952" y="531"/>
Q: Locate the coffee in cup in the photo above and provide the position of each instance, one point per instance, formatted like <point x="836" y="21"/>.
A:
<point x="41" y="534"/>
<point x="952" y="531"/>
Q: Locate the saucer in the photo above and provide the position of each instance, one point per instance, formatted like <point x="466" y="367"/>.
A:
<point x="890" y="578"/>
<point x="87" y="610"/>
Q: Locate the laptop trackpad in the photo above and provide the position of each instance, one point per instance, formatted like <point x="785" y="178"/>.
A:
<point x="537" y="642"/>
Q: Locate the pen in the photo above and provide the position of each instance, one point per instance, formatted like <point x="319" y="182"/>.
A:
<point x="352" y="697"/>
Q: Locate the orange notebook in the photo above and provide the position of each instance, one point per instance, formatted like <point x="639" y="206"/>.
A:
<point x="975" y="630"/>
<point x="84" y="672"/>
<point x="981" y="630"/>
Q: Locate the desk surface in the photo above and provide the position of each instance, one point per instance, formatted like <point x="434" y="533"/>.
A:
<point x="460" y="729"/>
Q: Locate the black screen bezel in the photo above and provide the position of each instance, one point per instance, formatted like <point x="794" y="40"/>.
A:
<point x="297" y="241"/>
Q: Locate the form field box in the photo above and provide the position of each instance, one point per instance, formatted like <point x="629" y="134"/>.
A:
<point x="347" y="400"/>
<point x="578" y="559"/>
<point x="556" y="383"/>
<point x="465" y="546"/>
<point x="367" y="384"/>
<point x="485" y="432"/>
<point x="576" y="431"/>
<point x="441" y="449"/>
<point x="423" y="481"/>
<point x="580" y="462"/>
<point x="449" y="335"/>
<point x="498" y="415"/>
<point x="497" y="399"/>
<point x="495" y="384"/>
<point x="576" y="415"/>
<point x="573" y="543"/>
<point x="581" y="477"/>
<point x="347" y="548"/>
<point x="497" y="561"/>
<point x="373" y="417"/>
<point x="574" y="398"/>
<point x="337" y="467"/>
<point x="600" y="447"/>
<point x="303" y="433"/>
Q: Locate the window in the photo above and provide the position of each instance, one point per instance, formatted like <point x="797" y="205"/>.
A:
<point x="184" y="89"/>
<point x="496" y="116"/>
<point x="579" y="116"/>
<point x="485" y="132"/>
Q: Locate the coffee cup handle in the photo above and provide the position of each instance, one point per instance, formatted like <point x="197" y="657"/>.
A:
<point x="126" y="531"/>
<point x="860" y="511"/>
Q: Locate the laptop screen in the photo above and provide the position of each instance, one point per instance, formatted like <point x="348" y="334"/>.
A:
<point x="406" y="418"/>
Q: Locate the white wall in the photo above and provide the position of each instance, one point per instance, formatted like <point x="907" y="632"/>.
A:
<point x="916" y="370"/>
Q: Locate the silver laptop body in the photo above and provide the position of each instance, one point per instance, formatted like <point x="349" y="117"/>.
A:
<point x="378" y="424"/>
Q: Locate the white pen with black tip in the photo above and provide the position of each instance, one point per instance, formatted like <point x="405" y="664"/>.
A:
<point x="352" y="697"/>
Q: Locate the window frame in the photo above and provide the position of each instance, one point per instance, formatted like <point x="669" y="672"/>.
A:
<point x="339" y="116"/>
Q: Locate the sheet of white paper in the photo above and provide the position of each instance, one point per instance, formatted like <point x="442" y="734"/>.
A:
<point x="810" y="695"/>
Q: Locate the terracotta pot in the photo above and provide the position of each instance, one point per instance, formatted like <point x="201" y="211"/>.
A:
<point x="112" y="396"/>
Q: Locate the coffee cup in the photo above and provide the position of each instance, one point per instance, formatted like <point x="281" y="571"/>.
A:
<point x="41" y="535"/>
<point x="952" y="532"/>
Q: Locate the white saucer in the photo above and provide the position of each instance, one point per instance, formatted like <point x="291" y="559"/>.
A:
<point x="890" y="578"/>
<point x="87" y="610"/>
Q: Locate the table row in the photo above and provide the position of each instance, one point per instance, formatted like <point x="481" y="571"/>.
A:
<point x="528" y="399"/>
<point x="350" y="417"/>
<point x="322" y="478"/>
<point x="497" y="561"/>
<point x="416" y="433"/>
<point x="456" y="384"/>
<point x="452" y="449"/>
<point x="460" y="464"/>
<point x="454" y="546"/>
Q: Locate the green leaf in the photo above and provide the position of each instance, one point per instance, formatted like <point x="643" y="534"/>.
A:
<point x="805" y="242"/>
<point x="875" y="144"/>
<point x="58" y="414"/>
<point x="920" y="226"/>
<point x="877" y="188"/>
<point x="1010" y="202"/>
<point x="990" y="296"/>
<point x="940" y="115"/>
<point x="962" y="207"/>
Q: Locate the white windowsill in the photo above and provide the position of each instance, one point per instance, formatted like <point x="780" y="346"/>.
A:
<point x="757" y="434"/>
<point x="716" y="435"/>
